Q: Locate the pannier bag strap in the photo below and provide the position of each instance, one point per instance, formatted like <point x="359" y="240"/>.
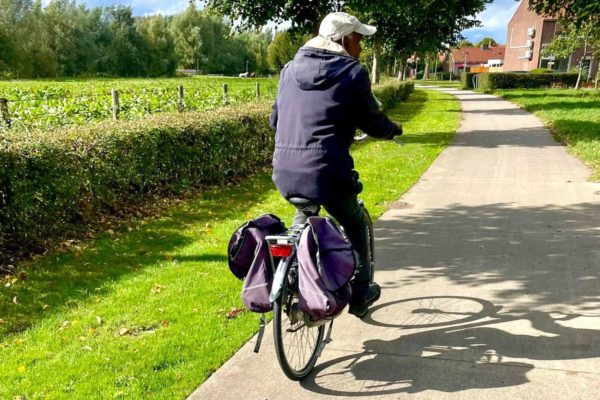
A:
<point x="261" y="332"/>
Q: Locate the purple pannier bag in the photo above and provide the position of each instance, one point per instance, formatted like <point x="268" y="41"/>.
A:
<point x="326" y="263"/>
<point x="248" y="256"/>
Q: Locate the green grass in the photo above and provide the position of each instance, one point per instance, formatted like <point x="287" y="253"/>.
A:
<point x="447" y="84"/>
<point x="142" y="312"/>
<point x="573" y="116"/>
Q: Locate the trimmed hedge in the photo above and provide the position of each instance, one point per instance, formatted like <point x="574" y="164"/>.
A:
<point x="492" y="81"/>
<point x="466" y="80"/>
<point x="54" y="183"/>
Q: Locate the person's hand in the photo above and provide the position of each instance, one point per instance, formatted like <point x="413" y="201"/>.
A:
<point x="398" y="130"/>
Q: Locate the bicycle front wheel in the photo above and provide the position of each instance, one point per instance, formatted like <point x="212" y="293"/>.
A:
<point x="296" y="344"/>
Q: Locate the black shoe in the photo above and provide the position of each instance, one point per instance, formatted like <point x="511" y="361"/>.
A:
<point x="360" y="307"/>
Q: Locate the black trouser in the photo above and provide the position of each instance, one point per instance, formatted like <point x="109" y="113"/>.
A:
<point x="350" y="215"/>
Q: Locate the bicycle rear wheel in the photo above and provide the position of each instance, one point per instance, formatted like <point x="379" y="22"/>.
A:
<point x="296" y="344"/>
<point x="370" y="240"/>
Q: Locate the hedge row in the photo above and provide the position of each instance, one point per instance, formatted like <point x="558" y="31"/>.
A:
<point x="492" y="81"/>
<point x="507" y="80"/>
<point x="53" y="183"/>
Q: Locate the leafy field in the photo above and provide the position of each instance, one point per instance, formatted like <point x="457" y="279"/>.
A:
<point x="145" y="311"/>
<point x="49" y="104"/>
<point x="572" y="115"/>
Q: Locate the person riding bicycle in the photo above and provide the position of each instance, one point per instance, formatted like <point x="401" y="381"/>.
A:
<point x="324" y="95"/>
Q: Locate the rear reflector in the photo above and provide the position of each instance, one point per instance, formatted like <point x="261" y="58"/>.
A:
<point x="281" y="250"/>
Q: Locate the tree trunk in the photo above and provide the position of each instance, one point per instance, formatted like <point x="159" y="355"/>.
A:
<point x="426" y="71"/>
<point x="375" y="69"/>
<point x="585" y="45"/>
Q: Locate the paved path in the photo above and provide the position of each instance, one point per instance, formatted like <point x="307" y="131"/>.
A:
<point x="491" y="273"/>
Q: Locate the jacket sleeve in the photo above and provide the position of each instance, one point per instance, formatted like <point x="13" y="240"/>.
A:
<point x="368" y="116"/>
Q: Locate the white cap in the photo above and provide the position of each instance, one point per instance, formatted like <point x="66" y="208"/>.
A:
<point x="339" y="24"/>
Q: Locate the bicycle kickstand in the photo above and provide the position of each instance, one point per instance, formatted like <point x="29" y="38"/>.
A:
<point x="327" y="338"/>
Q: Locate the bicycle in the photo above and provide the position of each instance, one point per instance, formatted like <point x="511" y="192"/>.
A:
<point x="299" y="341"/>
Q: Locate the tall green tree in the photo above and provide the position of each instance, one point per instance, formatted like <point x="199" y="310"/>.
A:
<point x="487" y="41"/>
<point x="283" y="48"/>
<point x="160" y="56"/>
<point x="578" y="12"/>
<point x="187" y="38"/>
<point x="573" y="38"/>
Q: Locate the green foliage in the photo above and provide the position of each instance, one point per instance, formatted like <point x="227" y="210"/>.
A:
<point x="540" y="71"/>
<point x="144" y="312"/>
<point x="283" y="48"/>
<point x="493" y="81"/>
<point x="575" y="11"/>
<point x="488" y="41"/>
<point x="464" y="43"/>
<point x="49" y="104"/>
<point x="466" y="80"/>
<point x="68" y="39"/>
<point x="55" y="182"/>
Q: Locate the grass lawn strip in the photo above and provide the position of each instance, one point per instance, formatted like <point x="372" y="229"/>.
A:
<point x="152" y="312"/>
<point x="573" y="116"/>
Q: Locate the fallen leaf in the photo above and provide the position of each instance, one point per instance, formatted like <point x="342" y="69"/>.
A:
<point x="45" y="306"/>
<point x="235" y="312"/>
<point x="15" y="300"/>
<point x="18" y="341"/>
<point x="164" y="323"/>
<point x="123" y="331"/>
<point x="86" y="348"/>
<point x="157" y="288"/>
<point x="99" y="320"/>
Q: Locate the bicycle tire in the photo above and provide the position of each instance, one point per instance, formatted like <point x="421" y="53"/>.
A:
<point x="370" y="240"/>
<point x="294" y="370"/>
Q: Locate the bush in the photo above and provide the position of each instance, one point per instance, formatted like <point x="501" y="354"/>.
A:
<point x="466" y="80"/>
<point x="492" y="81"/>
<point x="540" y="71"/>
<point x="440" y="76"/>
<point x="54" y="183"/>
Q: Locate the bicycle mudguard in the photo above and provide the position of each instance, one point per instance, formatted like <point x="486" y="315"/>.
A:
<point x="280" y="274"/>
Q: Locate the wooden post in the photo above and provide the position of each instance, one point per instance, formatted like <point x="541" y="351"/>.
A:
<point x="4" y="111"/>
<point x="258" y="90"/>
<point x="180" y="98"/>
<point x="115" y="104"/>
<point x="225" y="98"/>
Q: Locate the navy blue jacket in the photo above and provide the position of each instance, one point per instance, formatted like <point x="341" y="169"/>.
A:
<point x="323" y="97"/>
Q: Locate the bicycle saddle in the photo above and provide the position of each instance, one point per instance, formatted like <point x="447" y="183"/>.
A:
<point x="304" y="204"/>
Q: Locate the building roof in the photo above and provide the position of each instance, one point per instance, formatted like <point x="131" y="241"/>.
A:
<point x="476" y="55"/>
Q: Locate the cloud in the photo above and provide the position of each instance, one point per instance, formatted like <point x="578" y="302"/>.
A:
<point x="494" y="20"/>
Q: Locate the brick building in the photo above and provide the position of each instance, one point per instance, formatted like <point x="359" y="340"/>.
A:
<point x="528" y="33"/>
<point x="473" y="58"/>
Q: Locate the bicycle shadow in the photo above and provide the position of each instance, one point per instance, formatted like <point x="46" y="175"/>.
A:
<point x="455" y="358"/>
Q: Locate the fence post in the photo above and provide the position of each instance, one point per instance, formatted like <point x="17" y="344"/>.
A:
<point x="4" y="111"/>
<point x="225" y="97"/>
<point x="180" y="98"/>
<point x="258" y="90"/>
<point x="115" y="104"/>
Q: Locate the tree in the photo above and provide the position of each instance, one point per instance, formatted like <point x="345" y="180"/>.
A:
<point x="464" y="43"/>
<point x="578" y="12"/>
<point x="186" y="33"/>
<point x="488" y="41"/>
<point x="572" y="38"/>
<point x="160" y="57"/>
<point x="283" y="48"/>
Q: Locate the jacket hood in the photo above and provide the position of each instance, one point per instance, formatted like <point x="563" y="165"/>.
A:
<point x="319" y="64"/>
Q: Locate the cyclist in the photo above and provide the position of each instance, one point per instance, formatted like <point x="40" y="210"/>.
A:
<point x="324" y="95"/>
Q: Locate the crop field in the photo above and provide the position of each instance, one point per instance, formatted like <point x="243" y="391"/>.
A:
<point x="49" y="104"/>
